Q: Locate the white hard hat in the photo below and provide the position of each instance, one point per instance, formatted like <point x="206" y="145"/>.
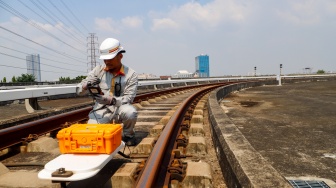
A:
<point x="109" y="48"/>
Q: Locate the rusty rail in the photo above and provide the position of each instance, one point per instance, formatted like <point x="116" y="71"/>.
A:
<point x="16" y="134"/>
<point x="154" y="174"/>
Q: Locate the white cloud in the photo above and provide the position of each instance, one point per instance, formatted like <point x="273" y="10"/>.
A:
<point x="331" y="7"/>
<point x="107" y="25"/>
<point x="164" y="23"/>
<point x="308" y="12"/>
<point x="132" y="21"/>
<point x="193" y="14"/>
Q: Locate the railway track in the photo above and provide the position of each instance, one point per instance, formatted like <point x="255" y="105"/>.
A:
<point x="161" y="157"/>
<point x="165" y="118"/>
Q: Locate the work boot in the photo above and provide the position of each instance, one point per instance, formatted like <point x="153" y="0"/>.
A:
<point x="129" y="141"/>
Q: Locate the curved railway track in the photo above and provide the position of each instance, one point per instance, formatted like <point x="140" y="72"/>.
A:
<point x="166" y="152"/>
<point x="15" y="135"/>
<point x="165" y="119"/>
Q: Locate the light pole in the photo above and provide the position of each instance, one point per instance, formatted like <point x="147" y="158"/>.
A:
<point x="280" y="75"/>
<point x="255" y="71"/>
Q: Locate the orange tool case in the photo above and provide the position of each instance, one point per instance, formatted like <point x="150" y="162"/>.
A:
<point x="90" y="138"/>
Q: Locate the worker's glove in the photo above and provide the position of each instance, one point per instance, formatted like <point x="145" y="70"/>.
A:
<point x="108" y="100"/>
<point x="91" y="81"/>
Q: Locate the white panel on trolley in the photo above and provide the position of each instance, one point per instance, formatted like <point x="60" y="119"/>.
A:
<point x="83" y="166"/>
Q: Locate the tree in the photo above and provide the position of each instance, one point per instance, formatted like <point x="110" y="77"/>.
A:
<point x="26" y="78"/>
<point x="4" y="80"/>
<point x="320" y="72"/>
<point x="64" y="79"/>
<point x="13" y="79"/>
<point x="80" y="78"/>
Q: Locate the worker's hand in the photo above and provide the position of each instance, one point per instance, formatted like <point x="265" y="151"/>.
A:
<point x="92" y="81"/>
<point x="102" y="99"/>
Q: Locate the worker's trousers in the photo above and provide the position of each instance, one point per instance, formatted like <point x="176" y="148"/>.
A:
<point x="126" y="114"/>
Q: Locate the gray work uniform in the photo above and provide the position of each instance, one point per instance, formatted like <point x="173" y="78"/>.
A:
<point x="124" y="112"/>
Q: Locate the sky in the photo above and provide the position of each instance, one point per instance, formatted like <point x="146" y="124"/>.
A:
<point x="163" y="37"/>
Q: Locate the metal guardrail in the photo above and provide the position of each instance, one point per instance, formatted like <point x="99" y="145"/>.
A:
<point x="30" y="92"/>
<point x="49" y="90"/>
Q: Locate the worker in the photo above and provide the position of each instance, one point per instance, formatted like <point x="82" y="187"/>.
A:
<point x="118" y="84"/>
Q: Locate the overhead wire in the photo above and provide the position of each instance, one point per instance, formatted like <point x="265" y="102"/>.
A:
<point x="41" y="63"/>
<point x="24" y="18"/>
<point x="69" y="34"/>
<point x="40" y="57"/>
<point x="49" y="13"/>
<point x="33" y="69"/>
<point x="56" y="51"/>
<point x="65" y="17"/>
<point x="74" y="16"/>
<point x="49" y="54"/>
<point x="65" y="30"/>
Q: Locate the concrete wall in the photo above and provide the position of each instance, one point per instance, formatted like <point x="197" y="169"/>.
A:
<point x="241" y="164"/>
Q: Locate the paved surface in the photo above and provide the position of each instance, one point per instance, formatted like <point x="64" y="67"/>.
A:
<point x="292" y="126"/>
<point x="16" y="113"/>
<point x="18" y="109"/>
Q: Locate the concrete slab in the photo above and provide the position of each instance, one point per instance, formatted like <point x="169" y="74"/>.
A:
<point x="24" y="179"/>
<point x="198" y="175"/>
<point x="200" y="106"/>
<point x="158" y="99"/>
<point x="198" y="112"/>
<point x="148" y="118"/>
<point x="171" y="112"/>
<point x="42" y="144"/>
<point x="3" y="169"/>
<point x="137" y="106"/>
<point x="156" y="130"/>
<point x="197" y="119"/>
<point x="196" y="145"/>
<point x="145" y="147"/>
<point x="176" y="107"/>
<point x="164" y="120"/>
<point x="144" y="103"/>
<point x="139" y="124"/>
<point x="125" y="176"/>
<point x="151" y="100"/>
<point x="164" y="97"/>
<point x="196" y="129"/>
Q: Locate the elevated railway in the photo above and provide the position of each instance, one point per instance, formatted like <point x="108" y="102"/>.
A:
<point x="168" y="134"/>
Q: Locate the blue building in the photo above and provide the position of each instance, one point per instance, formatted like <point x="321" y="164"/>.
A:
<point x="33" y="66"/>
<point x="202" y="65"/>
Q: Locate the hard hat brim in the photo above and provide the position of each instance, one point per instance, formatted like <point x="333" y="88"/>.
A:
<point x="112" y="55"/>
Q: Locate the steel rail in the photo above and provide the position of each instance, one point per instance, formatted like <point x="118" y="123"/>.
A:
<point x="16" y="134"/>
<point x="155" y="169"/>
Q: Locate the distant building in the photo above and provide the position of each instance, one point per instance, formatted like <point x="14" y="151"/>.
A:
<point x="145" y="76"/>
<point x="183" y="74"/>
<point x="165" y="77"/>
<point x="202" y="65"/>
<point x="33" y="66"/>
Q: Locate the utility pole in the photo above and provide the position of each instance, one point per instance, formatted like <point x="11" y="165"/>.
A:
<point x="92" y="44"/>
<point x="280" y="75"/>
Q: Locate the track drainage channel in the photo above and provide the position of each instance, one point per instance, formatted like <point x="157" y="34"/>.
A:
<point x="308" y="184"/>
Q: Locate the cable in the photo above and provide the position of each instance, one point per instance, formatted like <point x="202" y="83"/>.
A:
<point x="74" y="15"/>
<point x="24" y="18"/>
<point x="61" y="53"/>
<point x="37" y="49"/>
<point x="40" y="63"/>
<point x="65" y="17"/>
<point x="34" y="69"/>
<point x="49" y="13"/>
<point x="40" y="57"/>
<point x="70" y="35"/>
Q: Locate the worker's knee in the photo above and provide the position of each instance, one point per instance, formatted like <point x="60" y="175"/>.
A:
<point x="128" y="112"/>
